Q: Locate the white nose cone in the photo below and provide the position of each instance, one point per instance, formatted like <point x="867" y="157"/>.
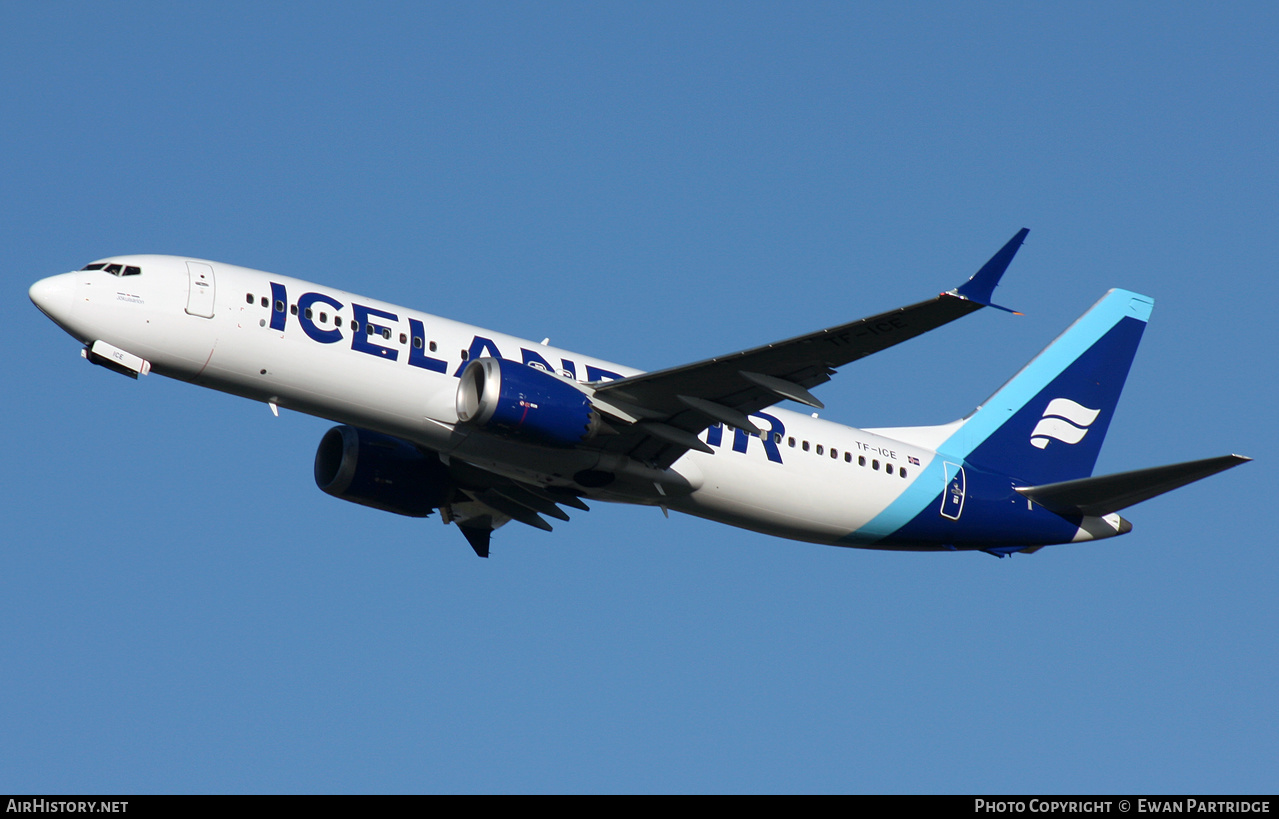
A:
<point x="54" y="295"/>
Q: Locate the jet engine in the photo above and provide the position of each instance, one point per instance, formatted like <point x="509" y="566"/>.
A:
<point x="380" y="471"/>
<point x="525" y="402"/>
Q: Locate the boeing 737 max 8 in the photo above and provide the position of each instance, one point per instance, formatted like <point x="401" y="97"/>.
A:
<point x="488" y="428"/>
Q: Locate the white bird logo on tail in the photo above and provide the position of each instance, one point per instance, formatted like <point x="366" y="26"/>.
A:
<point x="1064" y="420"/>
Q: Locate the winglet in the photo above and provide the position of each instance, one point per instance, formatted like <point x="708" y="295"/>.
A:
<point x="981" y="286"/>
<point x="478" y="537"/>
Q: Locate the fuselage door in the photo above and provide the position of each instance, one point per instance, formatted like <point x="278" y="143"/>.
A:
<point x="200" y="294"/>
<point x="952" y="499"/>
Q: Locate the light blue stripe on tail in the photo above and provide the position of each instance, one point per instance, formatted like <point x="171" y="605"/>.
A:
<point x="1048" y="421"/>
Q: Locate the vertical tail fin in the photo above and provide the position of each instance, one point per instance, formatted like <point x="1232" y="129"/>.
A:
<point x="1047" y="423"/>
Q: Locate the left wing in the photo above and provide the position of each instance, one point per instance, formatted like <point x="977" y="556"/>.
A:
<point x="663" y="411"/>
<point x="485" y="501"/>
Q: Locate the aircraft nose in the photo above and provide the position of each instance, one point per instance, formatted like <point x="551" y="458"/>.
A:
<point x="54" y="295"/>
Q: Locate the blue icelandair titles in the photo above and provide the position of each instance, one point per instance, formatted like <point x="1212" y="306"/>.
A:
<point x="485" y="428"/>
<point x="362" y="319"/>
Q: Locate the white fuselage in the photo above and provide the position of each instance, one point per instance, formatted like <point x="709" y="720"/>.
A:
<point x="814" y="480"/>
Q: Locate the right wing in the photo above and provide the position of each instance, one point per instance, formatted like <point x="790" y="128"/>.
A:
<point x="657" y="416"/>
<point x="663" y="411"/>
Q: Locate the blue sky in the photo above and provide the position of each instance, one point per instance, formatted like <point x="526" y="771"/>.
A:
<point x="182" y="610"/>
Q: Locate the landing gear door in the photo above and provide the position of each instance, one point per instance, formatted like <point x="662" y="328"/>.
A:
<point x="952" y="499"/>
<point x="200" y="294"/>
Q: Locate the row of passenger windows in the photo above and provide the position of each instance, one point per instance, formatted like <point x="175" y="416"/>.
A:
<point x="418" y="341"/>
<point x="323" y="317"/>
<point x="834" y="454"/>
<point x="115" y="269"/>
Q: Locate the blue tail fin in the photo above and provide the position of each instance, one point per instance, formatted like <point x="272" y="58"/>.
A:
<point x="1048" y="422"/>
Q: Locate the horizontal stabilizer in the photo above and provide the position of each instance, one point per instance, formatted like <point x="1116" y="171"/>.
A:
<point x="1109" y="493"/>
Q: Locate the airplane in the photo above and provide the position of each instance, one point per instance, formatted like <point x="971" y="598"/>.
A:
<point x="486" y="428"/>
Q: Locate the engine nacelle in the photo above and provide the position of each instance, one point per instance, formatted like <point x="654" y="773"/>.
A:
<point x="376" y="470"/>
<point x="525" y="402"/>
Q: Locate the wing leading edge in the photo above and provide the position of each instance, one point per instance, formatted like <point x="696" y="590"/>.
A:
<point x="666" y="409"/>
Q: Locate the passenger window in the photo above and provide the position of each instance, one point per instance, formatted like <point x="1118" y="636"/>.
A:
<point x="323" y="317"/>
<point x="834" y="453"/>
<point x="806" y="446"/>
<point x="777" y="437"/>
<point x="819" y="449"/>
<point x="902" y="472"/>
<point x="386" y="333"/>
<point x="874" y="464"/>
<point x="308" y="312"/>
<point x="791" y="442"/>
<point x="293" y="308"/>
<point x="848" y="457"/>
<point x="265" y="303"/>
<point x="417" y="342"/>
<point x="279" y="306"/>
<point x="432" y="346"/>
<point x="403" y="338"/>
<point x="466" y="354"/>
<point x="248" y="298"/>
<point x="355" y="326"/>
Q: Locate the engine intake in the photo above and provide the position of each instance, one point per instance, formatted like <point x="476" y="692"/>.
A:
<point x="382" y="472"/>
<point x="525" y="402"/>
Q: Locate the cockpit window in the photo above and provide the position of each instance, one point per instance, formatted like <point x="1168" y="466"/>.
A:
<point x="114" y="269"/>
